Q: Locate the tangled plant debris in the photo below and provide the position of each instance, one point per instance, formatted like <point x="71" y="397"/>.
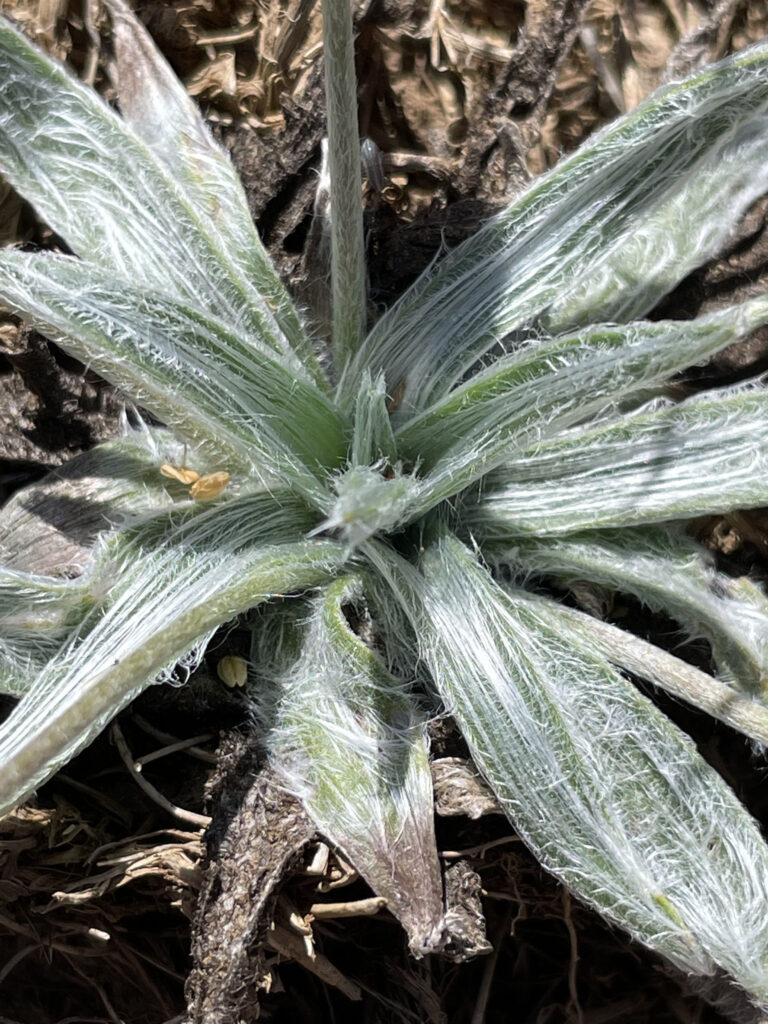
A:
<point x="505" y="424"/>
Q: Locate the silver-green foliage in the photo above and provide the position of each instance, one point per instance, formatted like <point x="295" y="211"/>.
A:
<point x="509" y="411"/>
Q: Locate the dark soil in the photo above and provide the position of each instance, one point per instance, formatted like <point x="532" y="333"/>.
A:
<point x="115" y="904"/>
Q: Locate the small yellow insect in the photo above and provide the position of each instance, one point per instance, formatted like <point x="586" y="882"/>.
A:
<point x="203" y="488"/>
<point x="180" y="473"/>
<point x="209" y="486"/>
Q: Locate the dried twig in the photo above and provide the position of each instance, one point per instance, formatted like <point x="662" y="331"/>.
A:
<point x="201" y="820"/>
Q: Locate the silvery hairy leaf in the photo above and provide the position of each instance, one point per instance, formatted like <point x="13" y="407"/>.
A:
<point x="612" y="797"/>
<point x="350" y="741"/>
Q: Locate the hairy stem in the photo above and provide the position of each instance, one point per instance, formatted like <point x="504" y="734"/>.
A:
<point x="347" y="248"/>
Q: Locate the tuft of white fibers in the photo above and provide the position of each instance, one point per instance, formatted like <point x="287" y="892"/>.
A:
<point x="350" y="742"/>
<point x="608" y="793"/>
<point x="171" y="581"/>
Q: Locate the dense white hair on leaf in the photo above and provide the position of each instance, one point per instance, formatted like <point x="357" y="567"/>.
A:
<point x="525" y="399"/>
<point x="372" y="435"/>
<point x="521" y="402"/>
<point x="37" y="616"/>
<point x="33" y="605"/>
<point x="721" y="700"/>
<point x="607" y="792"/>
<point x="157" y="108"/>
<point x="187" y="367"/>
<point x="707" y="454"/>
<point x="604" y="235"/>
<point x="48" y="533"/>
<point x="669" y="572"/>
<point x="349" y="740"/>
<point x="348" y="271"/>
<point x="173" y="580"/>
<point x="119" y="206"/>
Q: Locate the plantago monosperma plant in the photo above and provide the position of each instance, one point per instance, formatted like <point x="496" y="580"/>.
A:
<point x="505" y="421"/>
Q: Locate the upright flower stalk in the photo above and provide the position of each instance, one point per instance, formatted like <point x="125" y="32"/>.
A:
<point x="347" y="245"/>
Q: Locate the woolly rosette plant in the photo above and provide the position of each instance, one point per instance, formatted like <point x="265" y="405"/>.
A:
<point x="505" y="424"/>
